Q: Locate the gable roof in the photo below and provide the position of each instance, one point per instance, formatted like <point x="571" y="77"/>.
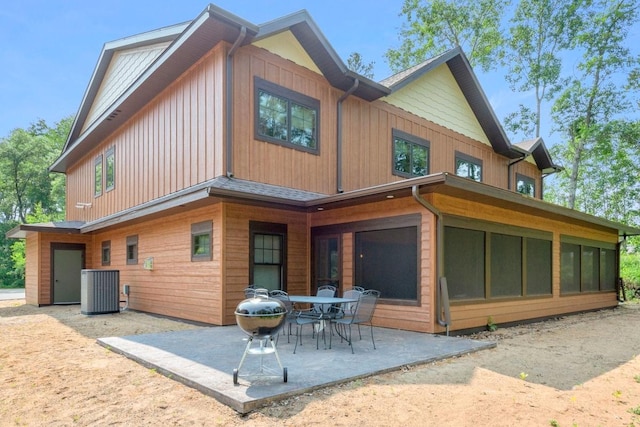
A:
<point x="189" y="41"/>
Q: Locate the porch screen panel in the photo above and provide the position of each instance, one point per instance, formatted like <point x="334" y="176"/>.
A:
<point x="607" y="269"/>
<point x="538" y="262"/>
<point x="387" y="260"/>
<point x="464" y="260"/>
<point x="590" y="268"/>
<point x="569" y="268"/>
<point x="506" y="265"/>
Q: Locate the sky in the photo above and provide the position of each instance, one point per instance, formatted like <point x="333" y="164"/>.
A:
<point x="49" y="48"/>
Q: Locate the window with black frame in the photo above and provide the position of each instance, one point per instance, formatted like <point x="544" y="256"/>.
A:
<point x="286" y="117"/>
<point x="468" y="167"/>
<point x="525" y="185"/>
<point x="201" y="241"/>
<point x="387" y="260"/>
<point x="587" y="266"/>
<point x="268" y="255"/>
<point x="410" y="155"/>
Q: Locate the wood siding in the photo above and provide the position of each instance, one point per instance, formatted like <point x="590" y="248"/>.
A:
<point x="410" y="317"/>
<point x="175" y="142"/>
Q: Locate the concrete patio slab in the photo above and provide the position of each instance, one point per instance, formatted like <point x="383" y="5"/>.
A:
<point x="205" y="359"/>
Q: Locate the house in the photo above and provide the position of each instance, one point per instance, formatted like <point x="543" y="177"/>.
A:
<point x="217" y="153"/>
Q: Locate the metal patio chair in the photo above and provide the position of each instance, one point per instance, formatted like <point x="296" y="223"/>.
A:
<point x="362" y="315"/>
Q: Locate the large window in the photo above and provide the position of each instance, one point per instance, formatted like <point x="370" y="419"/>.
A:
<point x="97" y="176"/>
<point x="268" y="255"/>
<point x="486" y="260"/>
<point x="587" y="266"/>
<point x="286" y="117"/>
<point x="201" y="241"/>
<point x="525" y="185"/>
<point x="387" y="260"/>
<point x="110" y="172"/>
<point x="468" y="167"/>
<point x="410" y="155"/>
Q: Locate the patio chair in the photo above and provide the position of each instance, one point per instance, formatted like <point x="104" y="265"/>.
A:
<point x="290" y="318"/>
<point x="250" y="291"/>
<point x="362" y="315"/>
<point x="358" y="288"/>
<point x="371" y="292"/>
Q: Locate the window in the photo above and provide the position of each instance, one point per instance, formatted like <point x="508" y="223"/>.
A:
<point x="132" y="250"/>
<point x="97" y="173"/>
<point x="387" y="260"/>
<point x="487" y="260"/>
<point x="525" y="185"/>
<point x="468" y="167"/>
<point x="201" y="241"/>
<point x="268" y="255"/>
<point x="110" y="172"/>
<point x="283" y="116"/>
<point x="587" y="266"/>
<point x="106" y="252"/>
<point x="410" y="155"/>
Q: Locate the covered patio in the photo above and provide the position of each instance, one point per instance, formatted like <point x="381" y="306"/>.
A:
<point x="205" y="359"/>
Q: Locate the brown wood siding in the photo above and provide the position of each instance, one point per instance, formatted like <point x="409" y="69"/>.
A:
<point x="474" y="315"/>
<point x="177" y="286"/>
<point x="261" y="161"/>
<point x="173" y="143"/>
<point x="410" y="317"/>
<point x="236" y="251"/>
<point x="38" y="263"/>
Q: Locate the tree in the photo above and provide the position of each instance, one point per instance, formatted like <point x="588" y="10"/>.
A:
<point x="589" y="102"/>
<point x="540" y="31"/>
<point x="435" y="26"/>
<point x="354" y="63"/>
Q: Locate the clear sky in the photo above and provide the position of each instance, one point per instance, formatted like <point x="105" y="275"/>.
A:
<point x="49" y="48"/>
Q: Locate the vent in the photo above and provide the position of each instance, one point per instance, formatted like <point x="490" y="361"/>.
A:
<point x="99" y="291"/>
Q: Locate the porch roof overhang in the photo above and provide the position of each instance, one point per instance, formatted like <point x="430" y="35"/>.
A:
<point x="252" y="193"/>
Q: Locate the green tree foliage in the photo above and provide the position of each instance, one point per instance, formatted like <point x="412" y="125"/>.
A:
<point x="435" y="26"/>
<point x="355" y="63"/>
<point x="540" y="31"/>
<point x="28" y="192"/>
<point x="584" y="109"/>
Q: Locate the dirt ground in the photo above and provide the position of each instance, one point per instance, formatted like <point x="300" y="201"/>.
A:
<point x="581" y="370"/>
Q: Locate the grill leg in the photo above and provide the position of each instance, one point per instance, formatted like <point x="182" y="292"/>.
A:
<point x="246" y="351"/>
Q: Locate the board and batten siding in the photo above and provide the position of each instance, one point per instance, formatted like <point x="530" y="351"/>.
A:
<point x="173" y="143"/>
<point x="475" y="314"/>
<point x="261" y="161"/>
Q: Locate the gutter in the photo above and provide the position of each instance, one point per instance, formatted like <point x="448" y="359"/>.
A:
<point x="229" y="99"/>
<point x="442" y="294"/>
<point x="344" y="96"/>
<point x="509" y="166"/>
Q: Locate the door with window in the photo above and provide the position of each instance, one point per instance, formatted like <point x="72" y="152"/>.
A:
<point x="327" y="261"/>
<point x="268" y="255"/>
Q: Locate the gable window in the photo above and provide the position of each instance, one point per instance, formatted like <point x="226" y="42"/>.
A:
<point x="286" y="117"/>
<point x="525" y="185"/>
<point x="97" y="175"/>
<point x="268" y="255"/>
<point x="106" y="252"/>
<point x="201" y="241"/>
<point x="410" y="155"/>
<point x="468" y="167"/>
<point x="110" y="166"/>
<point x="132" y="250"/>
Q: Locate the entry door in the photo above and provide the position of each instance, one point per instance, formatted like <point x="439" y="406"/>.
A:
<point x="327" y="261"/>
<point x="67" y="262"/>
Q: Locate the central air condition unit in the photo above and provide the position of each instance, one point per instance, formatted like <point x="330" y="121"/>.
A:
<point x="99" y="291"/>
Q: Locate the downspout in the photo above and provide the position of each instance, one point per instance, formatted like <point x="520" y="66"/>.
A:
<point x="442" y="297"/>
<point x="229" y="99"/>
<point x="509" y="170"/>
<point x="344" y="96"/>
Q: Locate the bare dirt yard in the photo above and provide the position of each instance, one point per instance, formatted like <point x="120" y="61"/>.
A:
<point x="581" y="370"/>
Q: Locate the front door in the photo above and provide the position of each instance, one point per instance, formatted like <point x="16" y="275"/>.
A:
<point x="67" y="261"/>
<point x="327" y="261"/>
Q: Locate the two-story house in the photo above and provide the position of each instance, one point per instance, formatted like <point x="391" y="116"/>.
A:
<point x="217" y="153"/>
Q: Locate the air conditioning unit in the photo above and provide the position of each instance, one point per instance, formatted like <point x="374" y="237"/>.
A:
<point x="99" y="291"/>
